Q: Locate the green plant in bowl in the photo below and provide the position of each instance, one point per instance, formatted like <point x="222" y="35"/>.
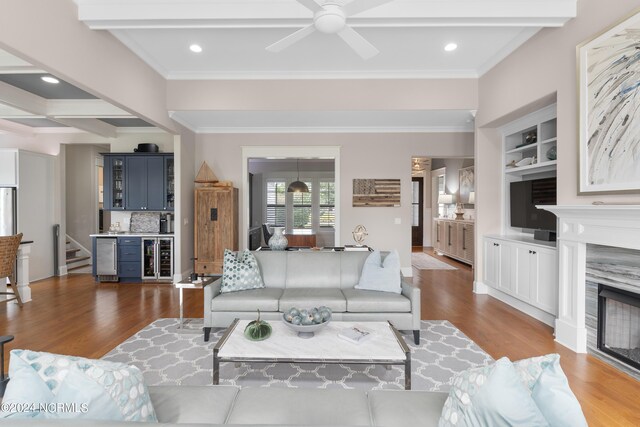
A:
<point x="258" y="330"/>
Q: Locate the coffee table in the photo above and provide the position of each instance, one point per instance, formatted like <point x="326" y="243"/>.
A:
<point x="385" y="347"/>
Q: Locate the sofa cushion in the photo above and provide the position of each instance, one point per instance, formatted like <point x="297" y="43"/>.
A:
<point x="300" y="406"/>
<point x="381" y="275"/>
<point x="313" y="269"/>
<point x="393" y="408"/>
<point x="273" y="266"/>
<point x="264" y="299"/>
<point x="192" y="404"/>
<point x="359" y="301"/>
<point x="240" y="272"/>
<point x="313" y="297"/>
<point x="351" y="268"/>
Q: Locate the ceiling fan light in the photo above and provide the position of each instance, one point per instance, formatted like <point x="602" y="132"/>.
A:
<point x="330" y="20"/>
<point x="297" y="187"/>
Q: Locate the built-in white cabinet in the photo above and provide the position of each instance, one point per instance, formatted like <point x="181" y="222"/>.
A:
<point x="454" y="238"/>
<point x="526" y="271"/>
<point x="8" y="168"/>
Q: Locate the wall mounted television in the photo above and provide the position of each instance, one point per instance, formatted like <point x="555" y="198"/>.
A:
<point x="525" y="195"/>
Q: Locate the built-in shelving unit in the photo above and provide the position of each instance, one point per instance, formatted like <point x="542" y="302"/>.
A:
<point x="530" y="137"/>
<point x="517" y="269"/>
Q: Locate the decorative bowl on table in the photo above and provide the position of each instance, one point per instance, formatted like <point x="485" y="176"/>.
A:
<point x="307" y="322"/>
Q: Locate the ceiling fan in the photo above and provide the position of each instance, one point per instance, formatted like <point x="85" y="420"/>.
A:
<point x="331" y="18"/>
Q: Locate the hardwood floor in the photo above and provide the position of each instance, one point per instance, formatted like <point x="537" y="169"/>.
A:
<point x="73" y="315"/>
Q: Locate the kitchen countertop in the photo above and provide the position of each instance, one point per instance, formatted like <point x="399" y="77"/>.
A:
<point x="129" y="234"/>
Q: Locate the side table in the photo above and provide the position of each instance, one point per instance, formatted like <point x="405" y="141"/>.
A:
<point x="188" y="284"/>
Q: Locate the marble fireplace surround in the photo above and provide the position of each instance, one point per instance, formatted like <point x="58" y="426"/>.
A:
<point x="608" y="225"/>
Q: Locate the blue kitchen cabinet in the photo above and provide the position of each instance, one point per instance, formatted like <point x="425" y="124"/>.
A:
<point x="145" y="183"/>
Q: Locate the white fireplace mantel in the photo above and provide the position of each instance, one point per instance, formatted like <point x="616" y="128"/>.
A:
<point x="609" y="225"/>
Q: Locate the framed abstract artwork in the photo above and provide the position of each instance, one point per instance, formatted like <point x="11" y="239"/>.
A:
<point x="609" y="86"/>
<point x="467" y="183"/>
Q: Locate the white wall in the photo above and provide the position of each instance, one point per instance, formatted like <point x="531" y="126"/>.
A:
<point x="362" y="156"/>
<point x="540" y="72"/>
<point x="36" y="215"/>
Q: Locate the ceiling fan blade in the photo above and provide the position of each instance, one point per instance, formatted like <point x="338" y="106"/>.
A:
<point x="291" y="39"/>
<point x="357" y="6"/>
<point x="358" y="43"/>
<point x="310" y="4"/>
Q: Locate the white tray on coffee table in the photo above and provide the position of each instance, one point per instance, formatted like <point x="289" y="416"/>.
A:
<point x="385" y="347"/>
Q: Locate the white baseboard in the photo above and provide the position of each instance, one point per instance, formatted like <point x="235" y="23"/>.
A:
<point x="571" y="337"/>
<point x="407" y="271"/>
<point x="62" y="270"/>
<point x="530" y="310"/>
<point x="480" y="288"/>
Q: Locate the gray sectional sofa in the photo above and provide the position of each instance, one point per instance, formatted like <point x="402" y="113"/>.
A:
<point x="308" y="279"/>
<point x="216" y="405"/>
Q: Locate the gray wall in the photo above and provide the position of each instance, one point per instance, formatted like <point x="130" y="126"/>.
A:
<point x="376" y="155"/>
<point x="36" y="213"/>
<point x="82" y="191"/>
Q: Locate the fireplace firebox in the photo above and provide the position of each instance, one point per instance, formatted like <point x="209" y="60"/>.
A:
<point x="619" y="324"/>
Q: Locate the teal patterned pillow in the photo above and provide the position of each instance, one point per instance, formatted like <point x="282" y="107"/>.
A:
<point x="493" y="396"/>
<point x="240" y="273"/>
<point x="106" y="390"/>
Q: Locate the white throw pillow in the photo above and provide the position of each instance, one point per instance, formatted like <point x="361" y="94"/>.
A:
<point x="378" y="275"/>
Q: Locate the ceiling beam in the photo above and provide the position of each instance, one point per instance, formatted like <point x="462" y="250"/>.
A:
<point x="77" y="108"/>
<point x="94" y="126"/>
<point x="22" y="100"/>
<point x="107" y="14"/>
<point x="15" y="128"/>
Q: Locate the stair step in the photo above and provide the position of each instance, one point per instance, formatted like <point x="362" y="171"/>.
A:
<point x="77" y="267"/>
<point x="77" y="259"/>
<point x="71" y="253"/>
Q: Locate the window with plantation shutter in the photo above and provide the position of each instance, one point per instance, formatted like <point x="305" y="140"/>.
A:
<point x="327" y="204"/>
<point x="303" y="209"/>
<point x="276" y="203"/>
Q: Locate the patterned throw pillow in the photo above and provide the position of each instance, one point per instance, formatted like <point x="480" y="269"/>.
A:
<point x="240" y="273"/>
<point x="85" y="388"/>
<point x="492" y="395"/>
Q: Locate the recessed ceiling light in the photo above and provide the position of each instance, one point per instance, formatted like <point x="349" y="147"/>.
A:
<point x="195" y="48"/>
<point x="50" y="79"/>
<point x="451" y="47"/>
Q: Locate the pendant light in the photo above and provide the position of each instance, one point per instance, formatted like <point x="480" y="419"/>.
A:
<point x="298" y="186"/>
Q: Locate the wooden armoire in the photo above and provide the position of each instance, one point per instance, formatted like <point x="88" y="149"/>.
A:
<point x="215" y="227"/>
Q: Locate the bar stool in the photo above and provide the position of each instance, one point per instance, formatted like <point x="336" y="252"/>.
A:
<point x="8" y="255"/>
<point x="3" y="379"/>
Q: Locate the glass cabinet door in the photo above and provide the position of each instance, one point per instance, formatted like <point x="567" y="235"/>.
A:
<point x="117" y="183"/>
<point x="149" y="258"/>
<point x="169" y="186"/>
<point x="165" y="263"/>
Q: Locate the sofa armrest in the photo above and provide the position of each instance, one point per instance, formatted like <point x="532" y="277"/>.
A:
<point x="413" y="293"/>
<point x="211" y="291"/>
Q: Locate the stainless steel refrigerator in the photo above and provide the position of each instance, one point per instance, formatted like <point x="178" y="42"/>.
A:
<point x="8" y="211"/>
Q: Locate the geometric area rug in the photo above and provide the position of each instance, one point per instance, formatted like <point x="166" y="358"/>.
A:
<point x="168" y="356"/>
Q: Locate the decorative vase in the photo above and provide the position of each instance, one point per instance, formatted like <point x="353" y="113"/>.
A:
<point x="552" y="153"/>
<point x="278" y="242"/>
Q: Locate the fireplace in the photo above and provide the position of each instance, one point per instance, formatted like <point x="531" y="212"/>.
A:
<point x="597" y="245"/>
<point x="619" y="324"/>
